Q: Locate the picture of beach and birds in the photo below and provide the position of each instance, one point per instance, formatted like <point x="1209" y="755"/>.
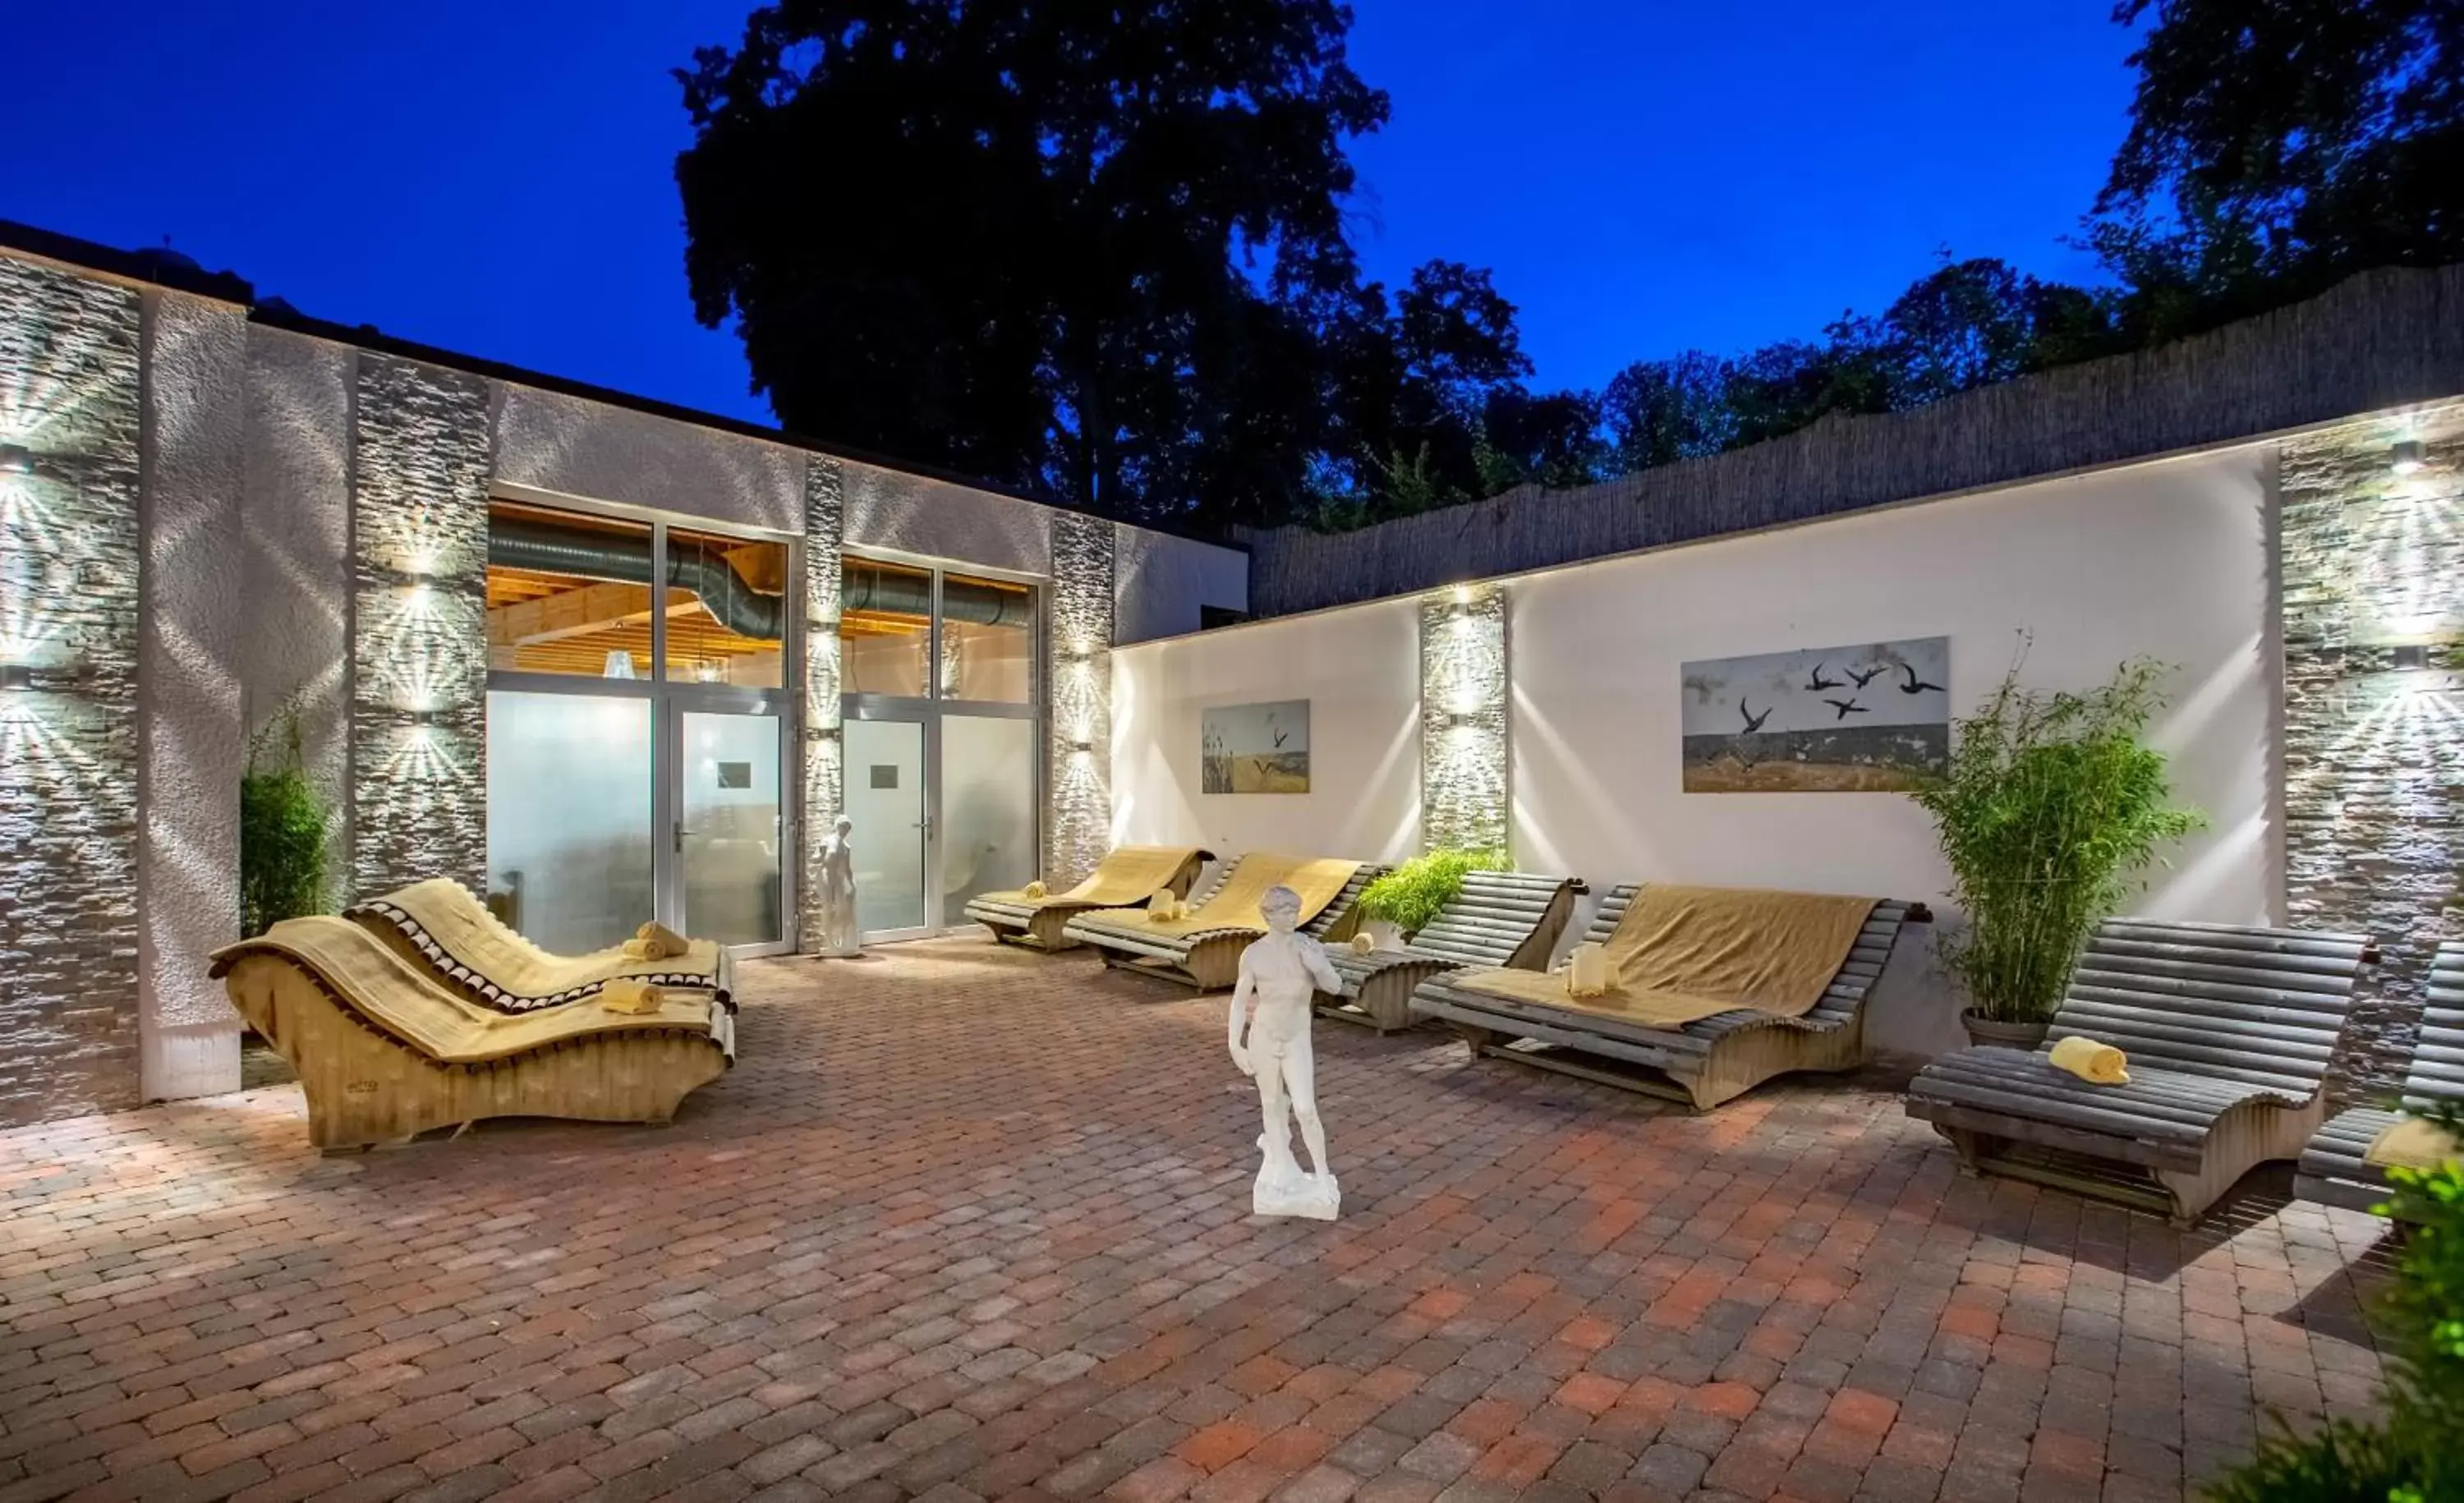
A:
<point x="1255" y="748"/>
<point x="1839" y="720"/>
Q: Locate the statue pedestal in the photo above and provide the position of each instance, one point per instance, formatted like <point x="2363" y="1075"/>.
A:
<point x="1296" y="1193"/>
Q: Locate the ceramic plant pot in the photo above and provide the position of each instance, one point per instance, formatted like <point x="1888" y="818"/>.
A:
<point x="2009" y="1035"/>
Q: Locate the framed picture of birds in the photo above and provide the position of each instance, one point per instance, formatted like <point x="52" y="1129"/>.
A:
<point x="1863" y="718"/>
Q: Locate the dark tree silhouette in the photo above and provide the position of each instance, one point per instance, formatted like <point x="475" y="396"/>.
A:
<point x="1071" y="244"/>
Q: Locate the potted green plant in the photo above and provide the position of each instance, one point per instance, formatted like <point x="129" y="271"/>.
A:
<point x="1406" y="898"/>
<point x="2052" y="804"/>
<point x="282" y="830"/>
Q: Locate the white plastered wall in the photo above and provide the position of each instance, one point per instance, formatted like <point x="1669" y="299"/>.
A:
<point x="2167" y="559"/>
<point x="1357" y="668"/>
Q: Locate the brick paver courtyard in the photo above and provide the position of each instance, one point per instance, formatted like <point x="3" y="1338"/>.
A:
<point x="970" y="1223"/>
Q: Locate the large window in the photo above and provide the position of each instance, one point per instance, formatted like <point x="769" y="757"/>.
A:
<point x="637" y="761"/>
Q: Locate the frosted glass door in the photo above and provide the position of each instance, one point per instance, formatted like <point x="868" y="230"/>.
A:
<point x="885" y="804"/>
<point x="987" y="807"/>
<point x="729" y="838"/>
<point x="570" y="852"/>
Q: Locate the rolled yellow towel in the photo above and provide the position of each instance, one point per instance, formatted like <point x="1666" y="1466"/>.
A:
<point x="631" y="997"/>
<point x="2097" y="1064"/>
<point x="2410" y="1143"/>
<point x="1587" y="970"/>
<point x="1364" y="945"/>
<point x="657" y="942"/>
<point x="1036" y="890"/>
<point x="1164" y="907"/>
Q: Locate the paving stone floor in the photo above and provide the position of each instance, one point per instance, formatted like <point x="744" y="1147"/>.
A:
<point x="967" y="1222"/>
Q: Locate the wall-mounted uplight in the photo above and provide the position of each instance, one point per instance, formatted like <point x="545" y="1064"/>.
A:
<point x="16" y="677"/>
<point x="17" y="459"/>
<point x="1082" y="749"/>
<point x="423" y="717"/>
<point x="2405" y="456"/>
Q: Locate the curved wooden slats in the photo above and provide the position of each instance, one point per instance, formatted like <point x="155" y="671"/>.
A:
<point x="2229" y="1029"/>
<point x="1500" y="918"/>
<point x="2333" y="1170"/>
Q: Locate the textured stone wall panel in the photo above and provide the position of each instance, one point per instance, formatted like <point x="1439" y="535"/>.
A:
<point x="69" y="401"/>
<point x="1462" y="719"/>
<point x="2373" y="570"/>
<point x="1078" y="699"/>
<point x="419" y="660"/>
<point x="824" y="538"/>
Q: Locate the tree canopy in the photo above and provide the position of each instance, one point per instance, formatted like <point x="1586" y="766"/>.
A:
<point x="1101" y="249"/>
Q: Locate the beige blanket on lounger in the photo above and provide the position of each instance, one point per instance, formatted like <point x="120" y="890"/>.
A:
<point x="1682" y="954"/>
<point x="1235" y="905"/>
<point x="1124" y="880"/>
<point x="473" y="936"/>
<point x="404" y="1002"/>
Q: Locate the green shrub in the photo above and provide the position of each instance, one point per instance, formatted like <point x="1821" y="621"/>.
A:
<point x="283" y="826"/>
<point x="2415" y="1455"/>
<point x="1411" y="894"/>
<point x="2051" y="804"/>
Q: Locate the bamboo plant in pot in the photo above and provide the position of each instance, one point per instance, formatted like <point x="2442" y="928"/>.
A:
<point x="1407" y="899"/>
<point x="2052" y="806"/>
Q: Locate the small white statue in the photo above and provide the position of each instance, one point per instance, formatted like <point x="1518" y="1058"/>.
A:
<point x="1280" y="972"/>
<point x="840" y="937"/>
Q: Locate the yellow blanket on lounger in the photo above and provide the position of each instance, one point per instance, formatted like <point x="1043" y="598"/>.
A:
<point x="1235" y="905"/>
<point x="1127" y="877"/>
<point x="1682" y="954"/>
<point x="2098" y="1064"/>
<point x="400" y="1000"/>
<point x="473" y="936"/>
<point x="2410" y="1142"/>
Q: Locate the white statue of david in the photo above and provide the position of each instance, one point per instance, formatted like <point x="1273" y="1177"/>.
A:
<point x="1280" y="972"/>
<point x="839" y="936"/>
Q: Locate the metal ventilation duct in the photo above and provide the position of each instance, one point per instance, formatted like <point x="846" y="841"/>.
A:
<point x="524" y="543"/>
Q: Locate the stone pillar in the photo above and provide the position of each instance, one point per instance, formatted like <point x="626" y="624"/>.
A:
<point x="419" y="626"/>
<point x="2371" y="568"/>
<point x="191" y="743"/>
<point x="1463" y="719"/>
<point x="69" y="494"/>
<point x="824" y="753"/>
<point x="1078" y="699"/>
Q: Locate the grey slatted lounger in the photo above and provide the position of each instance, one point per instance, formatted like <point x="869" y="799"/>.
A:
<point x="1702" y="1064"/>
<point x="1500" y="918"/>
<point x="2332" y="1171"/>
<point x="1041" y="926"/>
<point x="1210" y="961"/>
<point x="2227" y="1030"/>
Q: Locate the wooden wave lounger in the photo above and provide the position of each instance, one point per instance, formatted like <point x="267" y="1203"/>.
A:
<point x="1038" y="923"/>
<point x="1209" y="958"/>
<point x="1701" y="1064"/>
<point x="2333" y="1170"/>
<point x="385" y="1052"/>
<point x="439" y="926"/>
<point x="2227" y="1030"/>
<point x="1500" y="918"/>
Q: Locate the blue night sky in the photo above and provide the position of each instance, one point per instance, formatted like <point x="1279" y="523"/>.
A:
<point x="495" y="177"/>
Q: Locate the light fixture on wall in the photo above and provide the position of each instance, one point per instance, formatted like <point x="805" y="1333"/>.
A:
<point x="16" y="677"/>
<point x="17" y="459"/>
<point x="423" y="717"/>
<point x="1082" y="747"/>
<point x="2405" y="456"/>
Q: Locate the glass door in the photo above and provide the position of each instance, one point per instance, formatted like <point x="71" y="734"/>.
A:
<point x="943" y="743"/>
<point x="886" y="805"/>
<point x="731" y="827"/>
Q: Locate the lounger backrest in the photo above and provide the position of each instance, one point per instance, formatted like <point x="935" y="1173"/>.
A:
<point x="1337" y="911"/>
<point x="1848" y="989"/>
<point x="2437" y="1072"/>
<point x="2257" y="1006"/>
<point x="1206" y="888"/>
<point x="1493" y="917"/>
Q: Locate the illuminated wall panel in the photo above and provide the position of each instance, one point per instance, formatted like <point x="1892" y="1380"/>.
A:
<point x="825" y="536"/>
<point x="1078" y="699"/>
<point x="1462" y="719"/>
<point x="2372" y="575"/>
<point x="69" y="468"/>
<point x="419" y="660"/>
